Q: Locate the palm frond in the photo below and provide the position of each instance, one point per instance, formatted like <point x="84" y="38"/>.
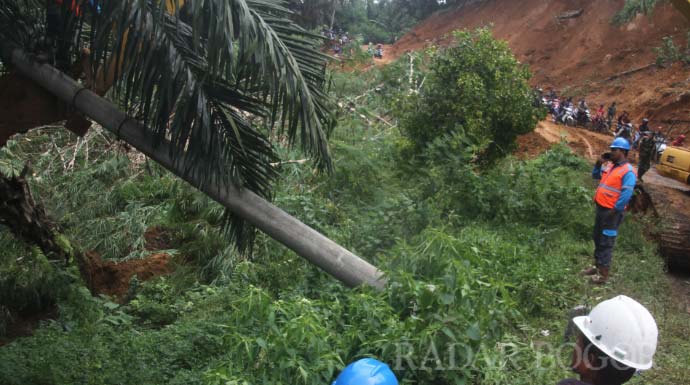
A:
<point x="214" y="78"/>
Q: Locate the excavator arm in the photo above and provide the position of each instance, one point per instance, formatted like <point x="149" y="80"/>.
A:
<point x="683" y="6"/>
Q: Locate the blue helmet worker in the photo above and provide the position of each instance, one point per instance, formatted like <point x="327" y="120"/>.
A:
<point x="366" y="371"/>
<point x="617" y="179"/>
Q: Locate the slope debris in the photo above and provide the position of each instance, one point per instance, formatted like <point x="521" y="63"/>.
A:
<point x="583" y="56"/>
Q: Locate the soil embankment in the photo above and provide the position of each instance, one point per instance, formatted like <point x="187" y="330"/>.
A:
<point x="582" y="56"/>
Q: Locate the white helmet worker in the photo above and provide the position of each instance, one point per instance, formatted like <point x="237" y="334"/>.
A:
<point x="623" y="330"/>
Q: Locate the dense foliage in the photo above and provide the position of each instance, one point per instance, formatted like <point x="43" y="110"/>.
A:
<point x="476" y="95"/>
<point x="481" y="265"/>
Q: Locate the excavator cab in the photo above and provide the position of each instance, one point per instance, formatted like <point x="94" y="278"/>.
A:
<point x="675" y="163"/>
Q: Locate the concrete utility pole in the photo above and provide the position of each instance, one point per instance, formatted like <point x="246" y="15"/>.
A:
<point x="302" y="239"/>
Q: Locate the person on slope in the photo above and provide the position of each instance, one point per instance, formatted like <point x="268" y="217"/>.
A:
<point x="625" y="132"/>
<point x="611" y="113"/>
<point x="647" y="147"/>
<point x="366" y="371"/>
<point x="617" y="179"/>
<point x="678" y="142"/>
<point x="379" y="51"/>
<point x="616" y="339"/>
<point x="623" y="119"/>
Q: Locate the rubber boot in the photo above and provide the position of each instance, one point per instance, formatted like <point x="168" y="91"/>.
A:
<point x="590" y="270"/>
<point x="602" y="277"/>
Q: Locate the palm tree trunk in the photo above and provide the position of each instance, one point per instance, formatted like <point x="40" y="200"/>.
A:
<point x="305" y="241"/>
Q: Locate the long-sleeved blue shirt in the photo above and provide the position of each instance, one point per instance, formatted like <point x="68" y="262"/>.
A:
<point x="629" y="180"/>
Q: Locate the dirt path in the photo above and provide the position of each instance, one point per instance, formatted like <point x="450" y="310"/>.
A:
<point x="584" y="142"/>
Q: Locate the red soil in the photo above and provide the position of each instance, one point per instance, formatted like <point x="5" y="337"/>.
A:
<point x="112" y="278"/>
<point x="577" y="56"/>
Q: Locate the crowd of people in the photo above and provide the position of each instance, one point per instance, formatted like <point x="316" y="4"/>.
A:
<point x="340" y="39"/>
<point x="648" y="143"/>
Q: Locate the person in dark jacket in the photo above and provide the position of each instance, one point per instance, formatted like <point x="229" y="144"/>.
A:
<point x="647" y="148"/>
<point x="617" y="338"/>
<point x="611" y="113"/>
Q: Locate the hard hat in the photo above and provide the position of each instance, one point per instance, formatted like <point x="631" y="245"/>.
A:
<point x="621" y="143"/>
<point x="645" y="120"/>
<point x="622" y="329"/>
<point x="366" y="371"/>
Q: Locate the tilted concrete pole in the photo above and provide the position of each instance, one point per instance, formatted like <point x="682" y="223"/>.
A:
<point x="302" y="239"/>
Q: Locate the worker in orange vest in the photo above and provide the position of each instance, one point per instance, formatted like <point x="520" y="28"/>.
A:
<point x="617" y="179"/>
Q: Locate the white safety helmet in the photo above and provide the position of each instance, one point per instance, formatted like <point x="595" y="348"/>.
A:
<point x="622" y="329"/>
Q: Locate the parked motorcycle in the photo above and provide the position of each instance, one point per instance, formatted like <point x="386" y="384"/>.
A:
<point x="584" y="117"/>
<point x="568" y="117"/>
<point x="599" y="124"/>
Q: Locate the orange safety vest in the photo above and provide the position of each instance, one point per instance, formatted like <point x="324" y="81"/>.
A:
<point x="611" y="184"/>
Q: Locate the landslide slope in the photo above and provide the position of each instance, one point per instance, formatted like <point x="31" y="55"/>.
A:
<point x="579" y="56"/>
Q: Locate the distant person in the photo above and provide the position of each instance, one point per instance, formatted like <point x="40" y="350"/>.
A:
<point x="647" y="148"/>
<point x="645" y="125"/>
<point x="379" y="51"/>
<point x="615" y="340"/>
<point x="370" y="49"/>
<point x="611" y="113"/>
<point x="617" y="180"/>
<point x="623" y="119"/>
<point x="625" y="132"/>
<point x="678" y="142"/>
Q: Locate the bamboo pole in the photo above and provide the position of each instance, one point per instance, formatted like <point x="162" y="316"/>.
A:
<point x="302" y="239"/>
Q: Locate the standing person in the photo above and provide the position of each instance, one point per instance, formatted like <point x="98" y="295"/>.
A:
<point x="611" y="113"/>
<point x="617" y="181"/>
<point x="678" y="142"/>
<point x="625" y="132"/>
<point x="646" y="153"/>
<point x="616" y="339"/>
<point x="623" y="119"/>
<point x="645" y="125"/>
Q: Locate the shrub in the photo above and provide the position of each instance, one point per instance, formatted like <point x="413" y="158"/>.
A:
<point x="632" y="8"/>
<point x="477" y="93"/>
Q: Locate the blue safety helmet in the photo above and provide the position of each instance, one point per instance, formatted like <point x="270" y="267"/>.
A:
<point x="366" y="371"/>
<point x="621" y="143"/>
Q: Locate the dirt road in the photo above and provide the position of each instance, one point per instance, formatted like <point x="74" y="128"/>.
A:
<point x="584" y="142"/>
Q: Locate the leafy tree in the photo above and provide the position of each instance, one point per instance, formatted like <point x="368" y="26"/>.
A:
<point x="476" y="94"/>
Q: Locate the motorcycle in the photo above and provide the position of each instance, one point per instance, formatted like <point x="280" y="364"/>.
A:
<point x="584" y="117"/>
<point x="568" y="116"/>
<point x="599" y="124"/>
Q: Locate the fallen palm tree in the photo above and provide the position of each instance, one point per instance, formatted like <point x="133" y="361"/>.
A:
<point x="192" y="82"/>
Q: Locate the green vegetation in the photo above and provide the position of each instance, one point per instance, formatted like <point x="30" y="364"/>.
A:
<point x="669" y="53"/>
<point x="632" y="8"/>
<point x="476" y="96"/>
<point x="481" y="262"/>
